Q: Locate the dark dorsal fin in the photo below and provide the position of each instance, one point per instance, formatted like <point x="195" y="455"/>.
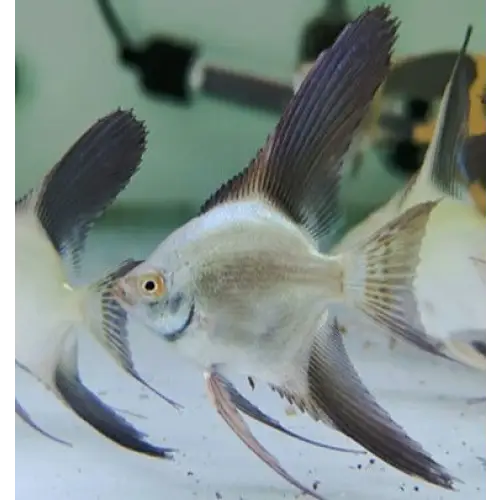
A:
<point x="299" y="169"/>
<point x="88" y="178"/>
<point x="442" y="162"/>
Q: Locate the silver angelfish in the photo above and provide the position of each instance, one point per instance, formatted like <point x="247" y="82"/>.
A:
<point x="243" y="287"/>
<point x="448" y="291"/>
<point x="52" y="222"/>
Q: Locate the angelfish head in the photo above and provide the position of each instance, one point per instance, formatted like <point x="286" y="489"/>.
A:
<point x="150" y="296"/>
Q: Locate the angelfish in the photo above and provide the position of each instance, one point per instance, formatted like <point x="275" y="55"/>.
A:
<point x="52" y="222"/>
<point x="243" y="287"/>
<point x="448" y="292"/>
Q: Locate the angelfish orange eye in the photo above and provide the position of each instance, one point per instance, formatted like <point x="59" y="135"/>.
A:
<point x="153" y="285"/>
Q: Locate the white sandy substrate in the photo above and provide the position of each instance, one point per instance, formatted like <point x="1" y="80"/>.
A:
<point x="425" y="395"/>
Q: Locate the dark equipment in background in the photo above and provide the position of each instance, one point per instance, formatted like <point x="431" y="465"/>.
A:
<point x="322" y="31"/>
<point x="172" y="69"/>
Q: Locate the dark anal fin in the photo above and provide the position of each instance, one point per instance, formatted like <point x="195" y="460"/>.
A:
<point x="299" y="169"/>
<point x="340" y="396"/>
<point x="96" y="413"/>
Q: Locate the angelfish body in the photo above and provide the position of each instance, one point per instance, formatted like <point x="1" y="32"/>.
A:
<point x="257" y="278"/>
<point x="52" y="223"/>
<point x="451" y="291"/>
<point x="243" y="287"/>
<point x="46" y="305"/>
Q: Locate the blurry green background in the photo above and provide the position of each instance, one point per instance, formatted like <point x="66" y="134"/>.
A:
<point x="69" y="76"/>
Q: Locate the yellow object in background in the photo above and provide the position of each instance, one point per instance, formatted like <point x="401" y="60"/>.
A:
<point x="424" y="78"/>
<point x="478" y="194"/>
<point x="477" y="119"/>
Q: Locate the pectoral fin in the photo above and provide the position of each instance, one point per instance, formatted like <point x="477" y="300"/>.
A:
<point x="109" y="324"/>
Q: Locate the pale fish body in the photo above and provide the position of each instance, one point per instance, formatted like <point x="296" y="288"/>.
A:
<point x="46" y="306"/>
<point x="243" y="287"/>
<point x="52" y="222"/>
<point x="256" y="276"/>
<point x="450" y="293"/>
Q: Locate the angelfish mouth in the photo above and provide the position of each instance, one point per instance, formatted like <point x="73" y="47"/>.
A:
<point x="174" y="335"/>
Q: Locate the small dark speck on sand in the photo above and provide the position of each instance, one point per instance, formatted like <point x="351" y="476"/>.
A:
<point x="372" y="461"/>
<point x="464" y="443"/>
<point x="190" y="473"/>
<point x="315" y="485"/>
<point x="143" y="396"/>
<point x="402" y="487"/>
<point x="218" y="495"/>
<point x="359" y="466"/>
<point x="416" y="488"/>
